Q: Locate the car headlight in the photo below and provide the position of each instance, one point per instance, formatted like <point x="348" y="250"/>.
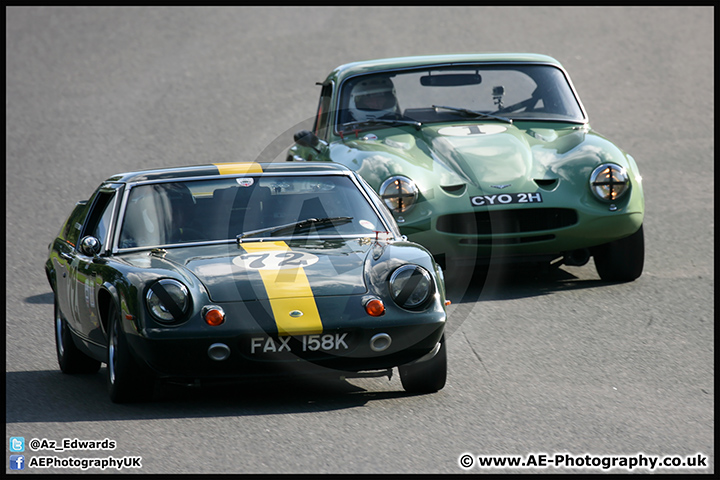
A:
<point x="609" y="182"/>
<point x="399" y="193"/>
<point x="168" y="300"/>
<point x="411" y="286"/>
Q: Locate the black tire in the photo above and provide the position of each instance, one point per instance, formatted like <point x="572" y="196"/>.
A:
<point x="621" y="260"/>
<point x="70" y="358"/>
<point x="428" y="376"/>
<point x="127" y="380"/>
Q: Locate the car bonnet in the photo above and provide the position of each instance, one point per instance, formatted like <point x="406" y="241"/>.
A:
<point x="276" y="269"/>
<point x="485" y="155"/>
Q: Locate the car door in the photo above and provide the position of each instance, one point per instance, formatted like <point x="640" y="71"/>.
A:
<point x="86" y="271"/>
<point x="64" y="246"/>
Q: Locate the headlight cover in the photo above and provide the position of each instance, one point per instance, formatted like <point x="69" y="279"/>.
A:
<point x="411" y="287"/>
<point x="168" y="300"/>
<point x="399" y="193"/>
<point x="609" y="182"/>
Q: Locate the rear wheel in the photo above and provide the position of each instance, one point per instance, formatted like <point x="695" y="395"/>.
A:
<point x="428" y="376"/>
<point x="621" y="260"/>
<point x="70" y="358"/>
<point x="127" y="381"/>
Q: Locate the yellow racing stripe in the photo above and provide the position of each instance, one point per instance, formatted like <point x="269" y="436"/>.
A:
<point x="288" y="290"/>
<point x="235" y="168"/>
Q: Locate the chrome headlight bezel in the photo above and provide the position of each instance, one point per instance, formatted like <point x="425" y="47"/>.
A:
<point x="168" y="301"/>
<point x="411" y="287"/>
<point x="399" y="193"/>
<point x="609" y="182"/>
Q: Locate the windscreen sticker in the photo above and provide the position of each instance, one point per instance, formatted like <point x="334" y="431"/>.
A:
<point x="466" y="130"/>
<point x="367" y="224"/>
<point x="238" y="168"/>
<point x="245" y="182"/>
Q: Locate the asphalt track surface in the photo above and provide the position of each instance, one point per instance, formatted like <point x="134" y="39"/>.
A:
<point x="538" y="363"/>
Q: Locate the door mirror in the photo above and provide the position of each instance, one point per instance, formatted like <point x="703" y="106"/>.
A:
<point x="90" y="246"/>
<point x="306" y="138"/>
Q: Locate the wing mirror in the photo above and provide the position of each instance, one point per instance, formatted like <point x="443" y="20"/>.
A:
<point x="306" y="138"/>
<point x="90" y="246"/>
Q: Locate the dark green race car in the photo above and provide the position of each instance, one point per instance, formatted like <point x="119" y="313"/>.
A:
<point x="484" y="157"/>
<point x="223" y="271"/>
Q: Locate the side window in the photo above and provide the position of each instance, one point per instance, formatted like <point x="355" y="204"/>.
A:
<point x="73" y="226"/>
<point x="323" y="112"/>
<point x="100" y="217"/>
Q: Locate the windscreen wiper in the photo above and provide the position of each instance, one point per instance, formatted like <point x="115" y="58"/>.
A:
<point x="295" y="226"/>
<point x="467" y="111"/>
<point x="374" y="121"/>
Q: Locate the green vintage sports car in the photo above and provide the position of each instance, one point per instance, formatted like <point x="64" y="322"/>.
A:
<point x="223" y="271"/>
<point x="484" y="157"/>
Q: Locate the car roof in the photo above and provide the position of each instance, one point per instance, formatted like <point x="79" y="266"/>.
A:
<point x="231" y="168"/>
<point x="356" y="68"/>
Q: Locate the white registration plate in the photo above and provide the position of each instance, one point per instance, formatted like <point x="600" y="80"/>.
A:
<point x="323" y="342"/>
<point x="505" y="199"/>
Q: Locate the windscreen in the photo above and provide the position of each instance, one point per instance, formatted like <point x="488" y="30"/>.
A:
<point x="255" y="206"/>
<point x="516" y="91"/>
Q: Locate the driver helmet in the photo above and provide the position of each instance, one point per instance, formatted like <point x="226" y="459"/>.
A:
<point x="373" y="98"/>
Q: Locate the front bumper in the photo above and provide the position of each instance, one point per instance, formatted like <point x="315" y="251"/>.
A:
<point x="254" y="348"/>
<point x="260" y="354"/>
<point x="518" y="233"/>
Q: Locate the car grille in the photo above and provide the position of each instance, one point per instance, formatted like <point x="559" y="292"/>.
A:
<point x="506" y="221"/>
